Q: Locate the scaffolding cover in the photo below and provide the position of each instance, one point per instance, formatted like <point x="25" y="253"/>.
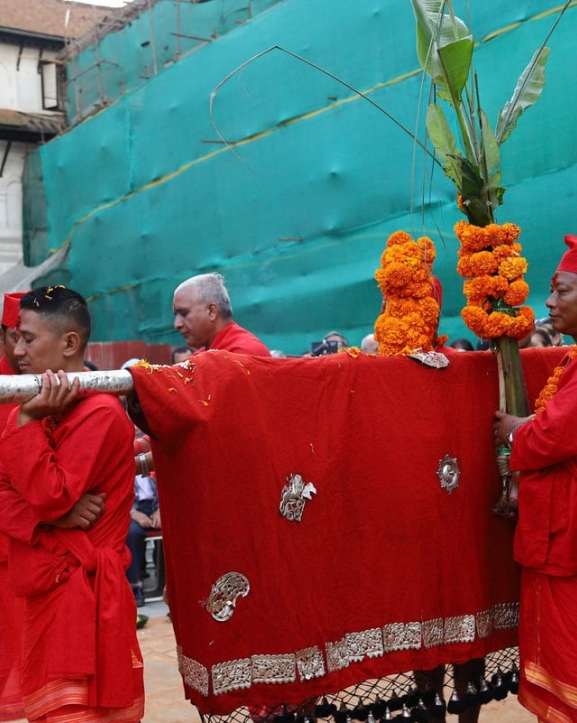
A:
<point x="296" y="213"/>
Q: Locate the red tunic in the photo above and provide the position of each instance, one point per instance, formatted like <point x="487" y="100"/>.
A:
<point x="545" y="451"/>
<point x="236" y="339"/>
<point x="79" y="646"/>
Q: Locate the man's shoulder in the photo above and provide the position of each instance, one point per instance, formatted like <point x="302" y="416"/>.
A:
<point x="102" y="404"/>
<point x="239" y="340"/>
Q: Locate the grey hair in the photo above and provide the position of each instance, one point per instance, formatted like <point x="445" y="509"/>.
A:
<point x="211" y="290"/>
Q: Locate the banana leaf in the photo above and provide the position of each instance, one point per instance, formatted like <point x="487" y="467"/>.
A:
<point x="527" y="93"/>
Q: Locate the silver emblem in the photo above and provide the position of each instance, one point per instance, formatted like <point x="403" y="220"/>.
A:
<point x="294" y="497"/>
<point x="434" y="359"/>
<point x="449" y="473"/>
<point x="224" y="594"/>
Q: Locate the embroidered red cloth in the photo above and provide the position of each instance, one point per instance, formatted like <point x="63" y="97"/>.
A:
<point x="388" y="569"/>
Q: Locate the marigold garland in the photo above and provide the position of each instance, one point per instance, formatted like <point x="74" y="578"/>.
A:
<point x="411" y="316"/>
<point x="490" y="261"/>
<point x="552" y="384"/>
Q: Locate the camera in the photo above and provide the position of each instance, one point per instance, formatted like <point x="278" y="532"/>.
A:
<point x="320" y="348"/>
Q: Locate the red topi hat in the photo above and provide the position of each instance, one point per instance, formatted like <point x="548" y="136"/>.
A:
<point x="11" y="310"/>
<point x="569" y="259"/>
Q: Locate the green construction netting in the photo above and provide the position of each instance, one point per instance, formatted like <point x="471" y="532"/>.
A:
<point x="297" y="214"/>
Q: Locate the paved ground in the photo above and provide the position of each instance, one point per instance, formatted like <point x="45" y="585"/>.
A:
<point x="165" y="701"/>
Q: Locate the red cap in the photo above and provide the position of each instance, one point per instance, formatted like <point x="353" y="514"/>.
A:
<point x="11" y="310"/>
<point x="569" y="259"/>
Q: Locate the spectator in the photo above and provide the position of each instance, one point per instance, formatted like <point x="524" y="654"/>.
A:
<point x="556" y="337"/>
<point x="540" y="337"/>
<point x="369" y="344"/>
<point x="331" y="343"/>
<point x="180" y="354"/>
<point x="144" y="516"/>
<point x="81" y="658"/>
<point x="462" y="345"/>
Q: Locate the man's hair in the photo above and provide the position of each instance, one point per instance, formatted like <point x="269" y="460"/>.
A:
<point x="181" y="350"/>
<point x="211" y="290"/>
<point x="65" y="308"/>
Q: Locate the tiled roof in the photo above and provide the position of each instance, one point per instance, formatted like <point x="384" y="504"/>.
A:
<point x="47" y="17"/>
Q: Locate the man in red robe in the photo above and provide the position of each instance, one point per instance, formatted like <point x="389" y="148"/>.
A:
<point x="81" y="660"/>
<point x="544" y="450"/>
<point x="203" y="315"/>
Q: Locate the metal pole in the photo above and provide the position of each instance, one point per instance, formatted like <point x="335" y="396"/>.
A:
<point x="19" y="387"/>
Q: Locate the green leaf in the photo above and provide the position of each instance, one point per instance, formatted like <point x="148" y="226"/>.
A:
<point x="444" y="142"/>
<point x="455" y="60"/>
<point x="491" y="154"/>
<point x="444" y="47"/>
<point x="472" y="185"/>
<point x="526" y="94"/>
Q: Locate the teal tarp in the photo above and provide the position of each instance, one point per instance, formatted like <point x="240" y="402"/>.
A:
<point x="297" y="214"/>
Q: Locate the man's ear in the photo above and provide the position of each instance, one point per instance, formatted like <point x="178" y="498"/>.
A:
<point x="212" y="311"/>
<point x="71" y="344"/>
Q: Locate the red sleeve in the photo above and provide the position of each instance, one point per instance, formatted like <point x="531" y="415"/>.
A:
<point x="550" y="437"/>
<point x="52" y="478"/>
<point x="17" y="519"/>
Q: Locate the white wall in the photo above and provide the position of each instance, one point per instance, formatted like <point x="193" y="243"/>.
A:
<point x="11" y="205"/>
<point x="20" y="90"/>
<point x="20" y="84"/>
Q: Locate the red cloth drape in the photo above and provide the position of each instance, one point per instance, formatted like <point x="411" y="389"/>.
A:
<point x="385" y="572"/>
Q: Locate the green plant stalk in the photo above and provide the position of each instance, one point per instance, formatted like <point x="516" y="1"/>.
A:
<point x="513" y="382"/>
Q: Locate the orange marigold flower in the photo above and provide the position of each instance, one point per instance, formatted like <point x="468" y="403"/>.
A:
<point x="472" y="238"/>
<point x="513" y="269"/>
<point x="498" y="324"/>
<point x="523" y="323"/>
<point x="503" y="251"/>
<point x="475" y="318"/>
<point x="399" y="237"/>
<point x="477" y="264"/>
<point x="411" y="314"/>
<point x="479" y="289"/>
<point x="517" y="293"/>
<point x="509" y="233"/>
<point x="428" y="251"/>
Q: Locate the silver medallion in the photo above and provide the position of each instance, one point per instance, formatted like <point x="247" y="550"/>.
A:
<point x="449" y="473"/>
<point x="224" y="594"/>
<point x="434" y="359"/>
<point x="294" y="496"/>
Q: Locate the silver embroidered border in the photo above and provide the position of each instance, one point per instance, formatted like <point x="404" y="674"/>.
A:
<point x="273" y="668"/>
<point x="506" y="616"/>
<point x="309" y="663"/>
<point x="484" y="623"/>
<point x="194" y="674"/>
<point x="337" y="656"/>
<point x="232" y="675"/>
<point x="402" y="636"/>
